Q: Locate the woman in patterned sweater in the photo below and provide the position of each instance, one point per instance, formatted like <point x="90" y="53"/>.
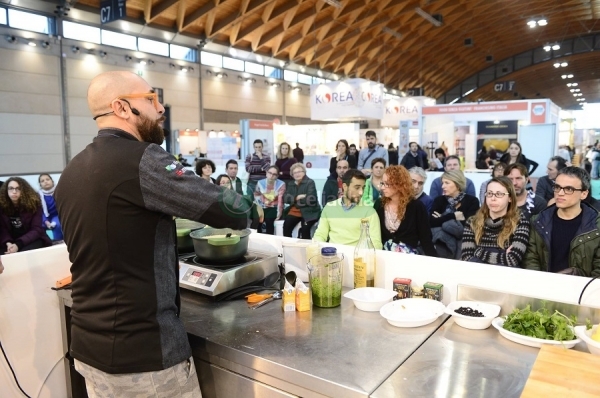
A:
<point x="498" y="233"/>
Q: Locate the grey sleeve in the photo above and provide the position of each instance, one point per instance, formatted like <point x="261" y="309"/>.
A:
<point x="170" y="189"/>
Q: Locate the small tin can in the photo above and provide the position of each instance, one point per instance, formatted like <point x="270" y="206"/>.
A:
<point x="433" y="291"/>
<point x="402" y="286"/>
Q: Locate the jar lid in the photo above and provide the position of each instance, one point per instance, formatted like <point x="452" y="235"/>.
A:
<point x="328" y="251"/>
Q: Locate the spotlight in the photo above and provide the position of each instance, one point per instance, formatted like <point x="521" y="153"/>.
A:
<point x="250" y="80"/>
<point x="564" y="64"/>
<point x="142" y="62"/>
<point x="557" y="65"/>
<point x="259" y="58"/>
<point x="31" y="43"/>
<point x="75" y="50"/>
<point x="11" y="39"/>
<point x="542" y="22"/>
<point x="275" y="85"/>
<point x="128" y="58"/>
<point x="172" y="65"/>
<point x="102" y="54"/>
<point x="150" y="62"/>
<point x="547" y="48"/>
<point x="532" y="24"/>
<point x="184" y="69"/>
<point x="45" y="44"/>
<point x="221" y="75"/>
<point x="556" y="46"/>
<point x="297" y="89"/>
<point x="319" y="73"/>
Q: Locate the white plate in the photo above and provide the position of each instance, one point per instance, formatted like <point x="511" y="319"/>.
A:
<point x="489" y="311"/>
<point x="412" y="313"/>
<point x="529" y="341"/>
<point x="370" y="298"/>
<point x="593" y="346"/>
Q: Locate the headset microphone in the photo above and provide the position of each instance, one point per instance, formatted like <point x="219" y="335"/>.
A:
<point x="135" y="111"/>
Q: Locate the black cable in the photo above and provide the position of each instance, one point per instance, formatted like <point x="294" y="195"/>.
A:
<point x="12" y="371"/>
<point x="585" y="287"/>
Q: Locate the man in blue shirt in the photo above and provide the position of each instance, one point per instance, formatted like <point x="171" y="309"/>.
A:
<point x="371" y="152"/>
<point x="452" y="163"/>
<point x="418" y="177"/>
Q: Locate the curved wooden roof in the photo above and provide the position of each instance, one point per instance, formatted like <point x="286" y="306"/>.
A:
<point x="389" y="41"/>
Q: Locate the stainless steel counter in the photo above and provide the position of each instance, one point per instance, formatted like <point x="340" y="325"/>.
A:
<point x="338" y="352"/>
<point x="457" y="362"/>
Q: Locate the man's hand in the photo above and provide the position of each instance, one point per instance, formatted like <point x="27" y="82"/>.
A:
<point x="48" y="224"/>
<point x="436" y="214"/>
<point x="261" y="214"/>
<point x="459" y="216"/>
<point x="299" y="197"/>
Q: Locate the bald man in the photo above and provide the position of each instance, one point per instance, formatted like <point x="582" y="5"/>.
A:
<point x="116" y="200"/>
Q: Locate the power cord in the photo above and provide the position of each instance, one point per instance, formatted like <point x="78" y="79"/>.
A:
<point x="61" y="359"/>
<point x="585" y="287"/>
<point x="12" y="371"/>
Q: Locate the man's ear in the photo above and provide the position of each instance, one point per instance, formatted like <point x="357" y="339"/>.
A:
<point x="584" y="194"/>
<point x="344" y="186"/>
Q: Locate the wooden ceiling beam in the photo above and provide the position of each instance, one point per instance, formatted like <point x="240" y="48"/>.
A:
<point x="180" y="16"/>
<point x="199" y="13"/>
<point x="160" y="8"/>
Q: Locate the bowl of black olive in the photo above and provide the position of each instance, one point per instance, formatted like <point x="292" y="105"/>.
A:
<point x="473" y="314"/>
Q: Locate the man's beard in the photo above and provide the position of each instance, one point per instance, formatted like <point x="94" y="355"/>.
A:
<point x="371" y="145"/>
<point x="352" y="200"/>
<point x="151" y="130"/>
<point x="519" y="192"/>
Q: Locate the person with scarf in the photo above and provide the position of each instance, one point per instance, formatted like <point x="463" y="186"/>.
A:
<point x="450" y="212"/>
<point x="528" y="202"/>
<point x="268" y="194"/>
<point x="50" y="214"/>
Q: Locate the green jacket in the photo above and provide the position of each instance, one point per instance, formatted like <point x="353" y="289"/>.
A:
<point x="309" y="206"/>
<point x="585" y="247"/>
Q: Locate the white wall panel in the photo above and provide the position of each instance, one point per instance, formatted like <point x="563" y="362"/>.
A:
<point x="17" y="164"/>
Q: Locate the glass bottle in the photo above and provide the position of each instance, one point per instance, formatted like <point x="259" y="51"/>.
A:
<point x="364" y="258"/>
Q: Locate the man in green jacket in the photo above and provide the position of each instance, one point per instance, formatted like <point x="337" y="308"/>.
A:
<point x="340" y="219"/>
<point x="565" y="238"/>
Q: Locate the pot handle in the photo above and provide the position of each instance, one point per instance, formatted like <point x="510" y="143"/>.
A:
<point x="232" y="240"/>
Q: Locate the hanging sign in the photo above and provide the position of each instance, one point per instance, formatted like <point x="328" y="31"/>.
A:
<point x="350" y="99"/>
<point x="404" y="108"/>
<point x="112" y="10"/>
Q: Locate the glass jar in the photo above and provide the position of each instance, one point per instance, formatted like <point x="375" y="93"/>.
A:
<point x="326" y="278"/>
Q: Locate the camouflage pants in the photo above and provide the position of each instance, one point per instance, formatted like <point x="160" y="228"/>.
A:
<point x="179" y="381"/>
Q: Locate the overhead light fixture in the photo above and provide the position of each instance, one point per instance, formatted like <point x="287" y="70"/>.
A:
<point x="577" y="90"/>
<point x="173" y="66"/>
<point x="186" y="69"/>
<point x="259" y="58"/>
<point x="428" y="17"/>
<point x="275" y="85"/>
<point x="297" y="89"/>
<point x="232" y="52"/>
<point x="11" y="38"/>
<point x="542" y="22"/>
<point x="572" y="90"/>
<point x="302" y="69"/>
<point x="250" y="80"/>
<point x="128" y="58"/>
<point x="333" y="3"/>
<point x="319" y="73"/>
<point x="45" y="44"/>
<point x="564" y="64"/>
<point x="547" y="47"/>
<point x="31" y="43"/>
<point x="569" y="76"/>
<point x="75" y="49"/>
<point x="557" y="64"/>
<point x="391" y="32"/>
<point x="569" y="84"/>
<point x="102" y="54"/>
<point x="221" y="75"/>
<point x="556" y="46"/>
<point x="531" y="23"/>
<point x="574" y="84"/>
<point x="385" y="90"/>
<point x="496" y="121"/>
<point x="142" y="62"/>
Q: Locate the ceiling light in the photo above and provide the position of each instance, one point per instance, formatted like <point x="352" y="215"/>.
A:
<point x="45" y="44"/>
<point x="547" y="47"/>
<point x="532" y="24"/>
<point x="557" y="65"/>
<point x="11" y="38"/>
<point x="232" y="51"/>
<point x="302" y="69"/>
<point x="577" y="90"/>
<point x="563" y="64"/>
<point x="428" y="17"/>
<point x="574" y="84"/>
<point x="31" y="43"/>
<point x="496" y="121"/>
<point x="542" y="22"/>
<point x="221" y="75"/>
<point x="75" y="49"/>
<point x="259" y="58"/>
<point x="250" y="80"/>
<point x="385" y="90"/>
<point x="556" y="46"/>
<point x="172" y="65"/>
<point x="569" y="84"/>
<point x="319" y="73"/>
<point x="142" y="62"/>
<point x="275" y="85"/>
<point x="333" y="3"/>
<point x="564" y="76"/>
<point x="184" y="69"/>
<point x="128" y="58"/>
<point x="572" y="90"/>
<point x="102" y="54"/>
<point x="569" y="76"/>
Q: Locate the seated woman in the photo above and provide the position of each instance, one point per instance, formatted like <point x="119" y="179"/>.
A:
<point x="50" y="214"/>
<point x="304" y="207"/>
<point x="20" y="218"/>
<point x="204" y="169"/>
<point x="224" y="181"/>
<point x="373" y="183"/>
<point x="497" y="171"/>
<point x="284" y="161"/>
<point x="268" y="194"/>
<point x="449" y="213"/>
<point x="404" y="221"/>
<point x="498" y="234"/>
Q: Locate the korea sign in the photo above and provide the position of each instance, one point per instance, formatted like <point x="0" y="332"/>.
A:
<point x="352" y="99"/>
<point x="112" y="10"/>
<point x="504" y="86"/>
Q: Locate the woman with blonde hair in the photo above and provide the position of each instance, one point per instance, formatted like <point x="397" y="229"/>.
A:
<point x="301" y="195"/>
<point x="403" y="219"/>
<point x="284" y="161"/>
<point x="498" y="234"/>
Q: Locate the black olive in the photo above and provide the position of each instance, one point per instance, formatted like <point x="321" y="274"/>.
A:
<point x="468" y="311"/>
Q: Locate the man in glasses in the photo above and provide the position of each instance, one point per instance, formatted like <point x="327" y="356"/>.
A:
<point x="565" y="238"/>
<point x="418" y="177"/>
<point x="116" y="200"/>
<point x="528" y="202"/>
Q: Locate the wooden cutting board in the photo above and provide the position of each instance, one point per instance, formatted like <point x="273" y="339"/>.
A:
<point x="559" y="372"/>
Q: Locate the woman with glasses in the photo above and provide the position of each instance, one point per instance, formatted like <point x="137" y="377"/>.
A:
<point x="498" y="234"/>
<point x="284" y="161"/>
<point x="342" y="152"/>
<point x="301" y="195"/>
<point x="373" y="184"/>
<point x="497" y="171"/>
<point x="268" y="194"/>
<point x="21" y="226"/>
<point x="404" y="221"/>
<point x="449" y="213"/>
<point x="205" y="168"/>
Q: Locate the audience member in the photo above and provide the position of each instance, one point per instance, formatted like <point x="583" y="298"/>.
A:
<point x="372" y="151"/>
<point x="423" y="155"/>
<point x="418" y="177"/>
<point x="565" y="237"/>
<point x="205" y="168"/>
<point x="342" y="151"/>
<point x="224" y="181"/>
<point x="256" y="166"/>
<point x="340" y="221"/>
<point x="439" y="160"/>
<point x="413" y="158"/>
<point x="333" y="190"/>
<point x="545" y="183"/>
<point x="231" y="168"/>
<point x="484" y="161"/>
<point x="493" y="154"/>
<point x="50" y="213"/>
<point x="515" y="155"/>
<point x="528" y="202"/>
<point x="269" y="195"/>
<point x="452" y="163"/>
<point x="284" y="161"/>
<point x="403" y="220"/>
<point x="352" y="151"/>
<point x="372" y="190"/>
<point x="497" y="171"/>
<point x="449" y="213"/>
<point x="298" y="153"/>
<point x="20" y="218"/>
<point x="393" y="155"/>
<point x="563" y="152"/>
<point x="304" y="207"/>
<point x="499" y="232"/>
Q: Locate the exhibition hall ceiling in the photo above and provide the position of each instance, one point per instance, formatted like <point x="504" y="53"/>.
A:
<point x="433" y="44"/>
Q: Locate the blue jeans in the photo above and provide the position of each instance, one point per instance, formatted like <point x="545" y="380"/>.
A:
<point x="595" y="167"/>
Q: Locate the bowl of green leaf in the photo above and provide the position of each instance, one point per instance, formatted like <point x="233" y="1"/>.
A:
<point x="536" y="328"/>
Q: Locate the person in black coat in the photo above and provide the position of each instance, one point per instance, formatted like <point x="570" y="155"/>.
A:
<point x="515" y="155"/>
<point x="342" y="150"/>
<point x="454" y="204"/>
<point x="413" y="158"/>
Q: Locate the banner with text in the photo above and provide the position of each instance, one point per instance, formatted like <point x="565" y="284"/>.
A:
<point x="350" y="99"/>
<point x="404" y="108"/>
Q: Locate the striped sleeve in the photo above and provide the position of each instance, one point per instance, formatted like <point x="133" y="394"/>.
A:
<point x="518" y="247"/>
<point x="468" y="243"/>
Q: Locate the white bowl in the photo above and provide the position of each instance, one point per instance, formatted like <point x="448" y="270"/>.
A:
<point x="489" y="311"/>
<point x="586" y="335"/>
<point x="412" y="312"/>
<point x="370" y="298"/>
<point x="530" y="341"/>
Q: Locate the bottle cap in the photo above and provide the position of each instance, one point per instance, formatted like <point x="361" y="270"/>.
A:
<point x="328" y="251"/>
